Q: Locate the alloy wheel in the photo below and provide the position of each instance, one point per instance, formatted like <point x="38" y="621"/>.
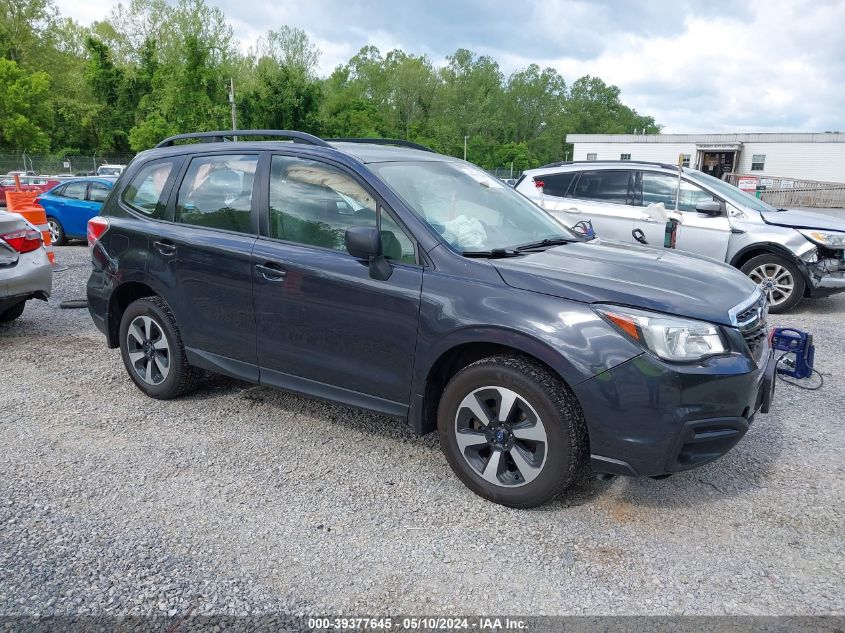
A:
<point x="148" y="350"/>
<point x="775" y="281"/>
<point x="55" y="232"/>
<point x="500" y="436"/>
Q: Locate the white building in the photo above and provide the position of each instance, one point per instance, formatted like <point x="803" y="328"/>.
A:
<point x="799" y="156"/>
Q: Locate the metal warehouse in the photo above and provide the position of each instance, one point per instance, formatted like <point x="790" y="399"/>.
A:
<point x="817" y="156"/>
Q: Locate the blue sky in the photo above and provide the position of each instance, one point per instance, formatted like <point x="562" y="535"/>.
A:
<point x="710" y="66"/>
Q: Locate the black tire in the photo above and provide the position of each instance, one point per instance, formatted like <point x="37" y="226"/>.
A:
<point x="552" y="401"/>
<point x="10" y="314"/>
<point x="771" y="263"/>
<point x="57" y="229"/>
<point x="181" y="377"/>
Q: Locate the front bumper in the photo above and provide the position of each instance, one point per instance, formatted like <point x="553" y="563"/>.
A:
<point x="650" y="418"/>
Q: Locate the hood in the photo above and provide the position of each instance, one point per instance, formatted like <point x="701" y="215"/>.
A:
<point x="615" y="272"/>
<point x="804" y="220"/>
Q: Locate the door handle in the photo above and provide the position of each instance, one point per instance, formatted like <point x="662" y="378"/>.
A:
<point x="573" y="210"/>
<point x="647" y="218"/>
<point x="165" y="248"/>
<point x="271" y="272"/>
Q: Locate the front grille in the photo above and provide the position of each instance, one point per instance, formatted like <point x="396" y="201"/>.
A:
<point x="755" y="337"/>
<point x="751" y="322"/>
<point x="748" y="316"/>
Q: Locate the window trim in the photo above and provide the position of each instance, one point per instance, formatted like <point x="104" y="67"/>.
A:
<point x="381" y="205"/>
<point x="761" y="163"/>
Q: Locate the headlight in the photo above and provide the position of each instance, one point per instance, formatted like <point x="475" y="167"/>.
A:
<point x="668" y="337"/>
<point x="831" y="239"/>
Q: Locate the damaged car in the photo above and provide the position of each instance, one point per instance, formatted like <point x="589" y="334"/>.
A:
<point x="789" y="254"/>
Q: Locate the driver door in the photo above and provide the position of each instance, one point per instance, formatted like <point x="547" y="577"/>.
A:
<point x="324" y="326"/>
<point x="698" y="233"/>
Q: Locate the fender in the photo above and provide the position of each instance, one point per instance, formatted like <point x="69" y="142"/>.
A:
<point x="777" y="249"/>
<point x="125" y="277"/>
<point x="428" y="356"/>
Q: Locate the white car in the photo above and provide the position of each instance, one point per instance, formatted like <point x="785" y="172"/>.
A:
<point x="789" y="254"/>
<point x="110" y="170"/>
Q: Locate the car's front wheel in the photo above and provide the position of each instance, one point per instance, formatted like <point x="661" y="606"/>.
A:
<point x="778" y="279"/>
<point x="512" y="431"/>
<point x="57" y="232"/>
<point x="152" y="349"/>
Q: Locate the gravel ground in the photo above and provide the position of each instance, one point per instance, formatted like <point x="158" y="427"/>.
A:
<point x="242" y="499"/>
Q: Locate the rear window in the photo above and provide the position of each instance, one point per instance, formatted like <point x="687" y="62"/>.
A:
<point x="147" y="191"/>
<point x="604" y="186"/>
<point x="556" y="184"/>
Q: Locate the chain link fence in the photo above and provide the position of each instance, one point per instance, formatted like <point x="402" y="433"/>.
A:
<point x="48" y="165"/>
<point x="506" y="173"/>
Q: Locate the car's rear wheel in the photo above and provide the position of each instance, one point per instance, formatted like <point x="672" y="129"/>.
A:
<point x="512" y="431"/>
<point x="152" y="349"/>
<point x="778" y="278"/>
<point x="57" y="233"/>
<point x="10" y="314"/>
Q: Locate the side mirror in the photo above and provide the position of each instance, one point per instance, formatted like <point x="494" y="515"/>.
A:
<point x="710" y="207"/>
<point x="364" y="242"/>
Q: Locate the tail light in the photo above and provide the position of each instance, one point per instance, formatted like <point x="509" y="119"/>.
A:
<point x="37" y="200"/>
<point x="96" y="227"/>
<point x="23" y="241"/>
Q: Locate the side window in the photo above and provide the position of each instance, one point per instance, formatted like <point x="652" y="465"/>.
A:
<point x="604" y="186"/>
<point x="659" y="188"/>
<point x="691" y="195"/>
<point x="145" y="193"/>
<point x="556" y="184"/>
<point x="58" y="191"/>
<point x="217" y="192"/>
<point x="75" y="190"/>
<point x="314" y="203"/>
<point x="98" y="192"/>
<point x="663" y="187"/>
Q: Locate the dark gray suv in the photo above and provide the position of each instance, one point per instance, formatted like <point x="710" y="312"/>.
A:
<point x="384" y="276"/>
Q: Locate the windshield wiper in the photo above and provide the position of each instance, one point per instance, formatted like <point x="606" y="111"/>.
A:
<point x="495" y="253"/>
<point x="549" y="241"/>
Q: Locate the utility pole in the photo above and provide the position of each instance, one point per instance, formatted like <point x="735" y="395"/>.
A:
<point x="465" y="147"/>
<point x="232" y="101"/>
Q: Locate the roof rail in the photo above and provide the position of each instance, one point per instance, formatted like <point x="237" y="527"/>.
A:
<point x="382" y="141"/>
<point x="610" y="160"/>
<point x="219" y="136"/>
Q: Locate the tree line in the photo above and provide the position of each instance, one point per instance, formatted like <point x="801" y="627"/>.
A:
<point x="151" y="69"/>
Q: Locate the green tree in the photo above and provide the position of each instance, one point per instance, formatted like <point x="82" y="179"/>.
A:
<point x="24" y="120"/>
<point x="149" y="132"/>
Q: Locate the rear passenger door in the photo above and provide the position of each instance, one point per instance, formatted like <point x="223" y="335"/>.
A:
<point x="206" y="249"/>
<point x="605" y="197"/>
<point x="325" y="327"/>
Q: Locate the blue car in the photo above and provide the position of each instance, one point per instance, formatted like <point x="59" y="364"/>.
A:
<point x="71" y="204"/>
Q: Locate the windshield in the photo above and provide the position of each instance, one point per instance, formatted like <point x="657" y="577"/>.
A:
<point x="727" y="190"/>
<point x="109" y="171"/>
<point x="471" y="209"/>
